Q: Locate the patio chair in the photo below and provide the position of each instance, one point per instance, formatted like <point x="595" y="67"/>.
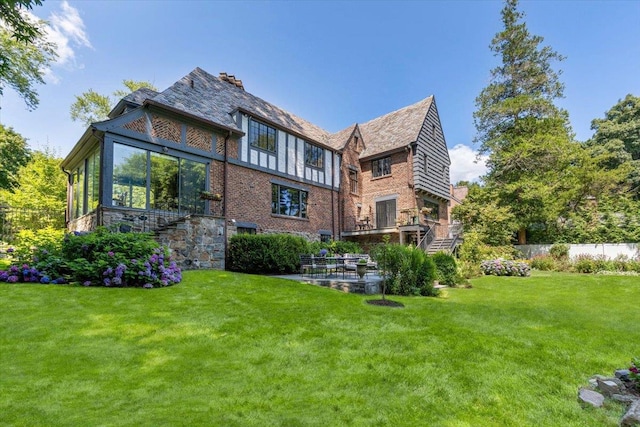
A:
<point x="307" y="264"/>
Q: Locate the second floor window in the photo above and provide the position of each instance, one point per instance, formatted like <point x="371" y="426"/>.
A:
<point x="262" y="136"/>
<point x="381" y="167"/>
<point x="313" y="155"/>
<point x="353" y="181"/>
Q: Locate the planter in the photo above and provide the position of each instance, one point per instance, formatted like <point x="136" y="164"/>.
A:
<point x="361" y="269"/>
<point x="209" y="196"/>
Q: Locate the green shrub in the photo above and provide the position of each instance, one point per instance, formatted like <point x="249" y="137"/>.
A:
<point x="29" y="243"/>
<point x="543" y="263"/>
<point x="106" y="258"/>
<point x="266" y="253"/>
<point x="446" y="269"/>
<point x="98" y="258"/>
<point x="559" y="252"/>
<point x="335" y="247"/>
<point x="603" y="264"/>
<point x="584" y="264"/>
<point x="469" y="270"/>
<point x="407" y="270"/>
<point x="473" y="250"/>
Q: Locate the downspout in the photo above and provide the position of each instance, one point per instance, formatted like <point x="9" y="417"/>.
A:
<point x="224" y="198"/>
<point x="225" y="173"/>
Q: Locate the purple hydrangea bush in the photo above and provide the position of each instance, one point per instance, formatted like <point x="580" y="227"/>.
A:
<point x="27" y="274"/>
<point x="100" y="258"/>
<point x="501" y="267"/>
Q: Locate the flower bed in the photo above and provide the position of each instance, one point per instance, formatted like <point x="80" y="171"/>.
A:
<point x="500" y="267"/>
<point x="101" y="258"/>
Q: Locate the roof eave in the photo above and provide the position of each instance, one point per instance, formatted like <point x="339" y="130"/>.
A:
<point x="386" y="152"/>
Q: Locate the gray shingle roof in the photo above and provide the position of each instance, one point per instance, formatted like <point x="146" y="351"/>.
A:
<point x="212" y="99"/>
<point x="394" y="130"/>
<point x="338" y="140"/>
<point x="140" y="95"/>
<point x="208" y="97"/>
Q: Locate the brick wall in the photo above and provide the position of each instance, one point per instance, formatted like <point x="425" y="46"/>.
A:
<point x="352" y="207"/>
<point x="249" y="200"/>
<point x="398" y="182"/>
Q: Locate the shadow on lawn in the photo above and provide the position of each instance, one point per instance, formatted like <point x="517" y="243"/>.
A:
<point x="385" y="303"/>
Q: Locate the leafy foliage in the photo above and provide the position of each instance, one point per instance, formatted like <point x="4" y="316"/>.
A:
<point x="14" y="154"/>
<point x="24" y="52"/>
<point x="446" y="269"/>
<point x="97" y="258"/>
<point x="41" y="188"/>
<point x="524" y="134"/>
<point x="91" y="106"/>
<point x="266" y="253"/>
<point x="335" y="247"/>
<point x="406" y="270"/>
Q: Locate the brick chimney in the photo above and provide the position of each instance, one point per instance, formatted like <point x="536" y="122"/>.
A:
<point x="231" y="79"/>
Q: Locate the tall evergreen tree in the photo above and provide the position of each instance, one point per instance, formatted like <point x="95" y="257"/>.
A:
<point x="527" y="138"/>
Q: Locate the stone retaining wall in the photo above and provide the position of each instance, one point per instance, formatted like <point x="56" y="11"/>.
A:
<point x="196" y="242"/>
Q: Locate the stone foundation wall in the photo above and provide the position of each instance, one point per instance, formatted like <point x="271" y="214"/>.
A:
<point x="196" y="242"/>
<point x="86" y="222"/>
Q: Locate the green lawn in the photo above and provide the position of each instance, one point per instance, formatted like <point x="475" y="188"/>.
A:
<point x="228" y="349"/>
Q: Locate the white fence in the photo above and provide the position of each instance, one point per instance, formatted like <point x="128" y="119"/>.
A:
<point x="608" y="250"/>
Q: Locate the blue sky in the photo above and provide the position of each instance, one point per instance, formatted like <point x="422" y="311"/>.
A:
<point x="333" y="63"/>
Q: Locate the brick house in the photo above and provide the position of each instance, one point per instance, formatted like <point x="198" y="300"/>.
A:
<point x="205" y="159"/>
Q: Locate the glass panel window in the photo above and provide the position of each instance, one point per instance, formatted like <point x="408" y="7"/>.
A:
<point x="78" y="192"/>
<point x="164" y="182"/>
<point x="288" y="201"/>
<point x="431" y="210"/>
<point x="193" y="176"/>
<point x="262" y="136"/>
<point x="93" y="181"/>
<point x="129" y="177"/>
<point x="381" y="167"/>
<point x="313" y="155"/>
<point x="353" y="181"/>
<point x="246" y="230"/>
<point x="386" y="213"/>
<point x="173" y="184"/>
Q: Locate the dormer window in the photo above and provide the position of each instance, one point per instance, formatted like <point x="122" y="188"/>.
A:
<point x="262" y="136"/>
<point x="313" y="156"/>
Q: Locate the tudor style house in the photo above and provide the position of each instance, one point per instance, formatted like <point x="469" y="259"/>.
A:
<point x="205" y="159"/>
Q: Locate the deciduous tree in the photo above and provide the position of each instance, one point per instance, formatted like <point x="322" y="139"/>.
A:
<point x="90" y="106"/>
<point x="14" y="154"/>
<point x="24" y="51"/>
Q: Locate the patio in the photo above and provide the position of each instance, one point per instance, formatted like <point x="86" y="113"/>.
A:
<point x="349" y="283"/>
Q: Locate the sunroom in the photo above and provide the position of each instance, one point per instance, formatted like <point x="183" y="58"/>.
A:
<point x="147" y="171"/>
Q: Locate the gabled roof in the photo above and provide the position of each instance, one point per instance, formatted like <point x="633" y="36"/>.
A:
<point x="394" y="130"/>
<point x="338" y="140"/>
<point x="134" y="99"/>
<point x="203" y="95"/>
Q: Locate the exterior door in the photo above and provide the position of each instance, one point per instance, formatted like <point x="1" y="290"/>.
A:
<point x="386" y="213"/>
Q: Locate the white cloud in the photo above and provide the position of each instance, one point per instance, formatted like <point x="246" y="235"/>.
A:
<point x="466" y="165"/>
<point x="66" y="29"/>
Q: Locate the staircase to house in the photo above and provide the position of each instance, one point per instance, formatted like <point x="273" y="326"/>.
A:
<point x="447" y="244"/>
<point x="434" y="241"/>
